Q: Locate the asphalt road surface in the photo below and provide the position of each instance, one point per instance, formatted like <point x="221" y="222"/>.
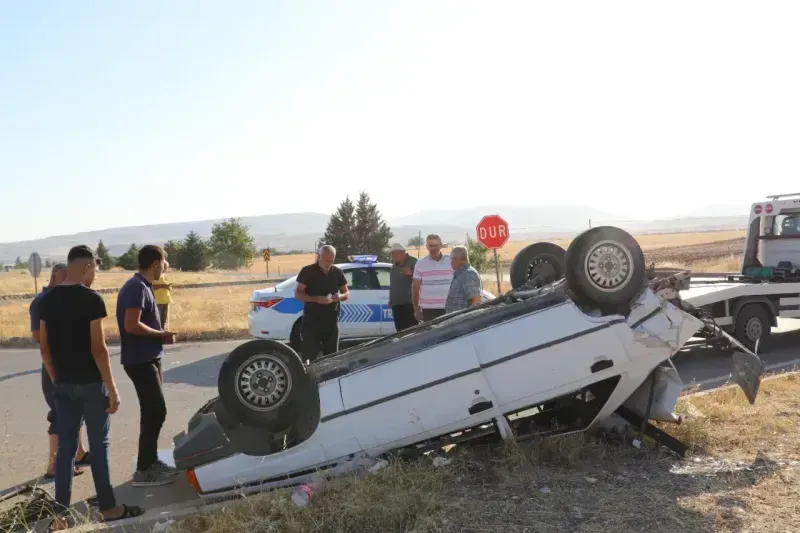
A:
<point x="190" y="373"/>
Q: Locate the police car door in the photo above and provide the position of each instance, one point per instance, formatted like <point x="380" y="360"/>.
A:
<point x="360" y="315"/>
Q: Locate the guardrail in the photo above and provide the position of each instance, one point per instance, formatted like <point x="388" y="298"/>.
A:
<point x="30" y="295"/>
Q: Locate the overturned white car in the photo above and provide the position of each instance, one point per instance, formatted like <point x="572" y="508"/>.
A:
<point x="573" y="345"/>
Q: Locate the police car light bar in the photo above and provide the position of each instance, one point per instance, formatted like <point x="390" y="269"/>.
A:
<point x="365" y="259"/>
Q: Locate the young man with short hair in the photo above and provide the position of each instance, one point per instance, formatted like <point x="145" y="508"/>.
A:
<point x="57" y="276"/>
<point x="76" y="358"/>
<point x="143" y="339"/>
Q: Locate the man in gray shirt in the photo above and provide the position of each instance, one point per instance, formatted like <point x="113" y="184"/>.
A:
<point x="400" y="280"/>
<point x="466" y="287"/>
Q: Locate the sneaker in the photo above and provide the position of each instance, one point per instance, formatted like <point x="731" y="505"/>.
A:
<point x="152" y="477"/>
<point x="165" y="469"/>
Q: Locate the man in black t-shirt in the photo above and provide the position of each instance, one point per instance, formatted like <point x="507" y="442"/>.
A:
<point x="77" y="360"/>
<point x="321" y="287"/>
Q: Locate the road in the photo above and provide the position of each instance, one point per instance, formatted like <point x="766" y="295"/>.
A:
<point x="190" y="372"/>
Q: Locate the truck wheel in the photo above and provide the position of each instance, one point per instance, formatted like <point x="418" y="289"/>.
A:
<point x="540" y="258"/>
<point x="605" y="268"/>
<point x="752" y="323"/>
<point x="264" y="384"/>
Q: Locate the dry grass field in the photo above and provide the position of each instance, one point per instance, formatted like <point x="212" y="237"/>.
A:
<point x="743" y="476"/>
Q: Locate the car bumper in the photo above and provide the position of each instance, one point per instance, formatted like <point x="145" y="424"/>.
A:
<point x="265" y="325"/>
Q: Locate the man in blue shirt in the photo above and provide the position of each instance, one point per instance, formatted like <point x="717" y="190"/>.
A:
<point x="143" y="339"/>
<point x="57" y="277"/>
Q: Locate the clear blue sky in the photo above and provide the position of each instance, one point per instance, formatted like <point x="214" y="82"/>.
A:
<point x="115" y="114"/>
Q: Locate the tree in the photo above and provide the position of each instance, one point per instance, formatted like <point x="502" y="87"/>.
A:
<point x="104" y="256"/>
<point x="339" y="232"/>
<point x="130" y="259"/>
<point x="416" y="241"/>
<point x="173" y="249"/>
<point x="48" y="263"/>
<point x="193" y="253"/>
<point x="478" y="255"/>
<point x="358" y="229"/>
<point x="18" y="263"/>
<point x="231" y="244"/>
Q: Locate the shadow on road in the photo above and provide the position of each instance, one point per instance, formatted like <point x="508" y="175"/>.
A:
<point x="202" y="373"/>
<point x="18" y="374"/>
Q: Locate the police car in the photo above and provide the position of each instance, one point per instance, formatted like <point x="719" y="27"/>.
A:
<point x="276" y="314"/>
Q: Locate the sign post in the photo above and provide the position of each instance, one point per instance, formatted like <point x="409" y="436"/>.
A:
<point x="35" y="269"/>
<point x="493" y="233"/>
<point x="266" y="259"/>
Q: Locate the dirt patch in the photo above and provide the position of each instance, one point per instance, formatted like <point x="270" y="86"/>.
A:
<point x="695" y="253"/>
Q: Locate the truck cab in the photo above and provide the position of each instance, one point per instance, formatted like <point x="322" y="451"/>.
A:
<point x="772" y="246"/>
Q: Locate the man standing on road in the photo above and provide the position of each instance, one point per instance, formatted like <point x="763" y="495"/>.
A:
<point x="143" y="339"/>
<point x="321" y="287"/>
<point x="432" y="276"/>
<point x="465" y="290"/>
<point x="400" y="279"/>
<point x="57" y="276"/>
<point x="76" y="357"/>
<point x="162" y="290"/>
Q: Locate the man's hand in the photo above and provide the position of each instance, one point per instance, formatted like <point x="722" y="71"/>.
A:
<point x="113" y="401"/>
<point x="325" y="300"/>
<point x="418" y="314"/>
<point x="407" y="271"/>
<point x="168" y="336"/>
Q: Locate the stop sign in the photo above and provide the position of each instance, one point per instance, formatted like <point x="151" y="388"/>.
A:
<point x="492" y="231"/>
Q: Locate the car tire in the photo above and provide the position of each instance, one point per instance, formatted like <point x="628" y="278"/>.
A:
<point x="264" y="383"/>
<point x="605" y="268"/>
<point x="533" y="257"/>
<point x="296" y="337"/>
<point x="753" y="323"/>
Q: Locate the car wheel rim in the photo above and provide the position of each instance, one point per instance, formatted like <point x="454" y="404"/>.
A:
<point x="753" y="329"/>
<point x="608" y="266"/>
<point x="263" y="382"/>
<point x="539" y="266"/>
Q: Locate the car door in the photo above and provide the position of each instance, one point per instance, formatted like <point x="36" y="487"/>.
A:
<point x="387" y="319"/>
<point x="361" y="314"/>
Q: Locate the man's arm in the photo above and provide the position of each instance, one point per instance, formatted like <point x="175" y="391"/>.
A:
<point x="102" y="359"/>
<point x="35" y="327"/>
<point x="344" y="292"/>
<point x="44" y="348"/>
<point x="133" y="303"/>
<point x="300" y="294"/>
<point x="472" y="287"/>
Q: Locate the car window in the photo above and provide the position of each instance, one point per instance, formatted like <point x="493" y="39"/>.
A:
<point x="786" y="225"/>
<point x="283" y="284"/>
<point x="383" y="277"/>
<point x="358" y="279"/>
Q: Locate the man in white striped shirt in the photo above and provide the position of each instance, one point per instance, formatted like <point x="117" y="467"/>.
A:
<point x="431" y="283"/>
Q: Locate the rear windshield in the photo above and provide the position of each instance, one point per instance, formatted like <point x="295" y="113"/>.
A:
<point x="786" y="224"/>
<point x="285" y="283"/>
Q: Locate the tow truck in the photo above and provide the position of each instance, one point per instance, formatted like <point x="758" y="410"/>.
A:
<point x="746" y="304"/>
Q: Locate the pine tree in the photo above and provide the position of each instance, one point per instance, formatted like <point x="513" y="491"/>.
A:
<point x="358" y="230"/>
<point x="339" y="232"/>
<point x="194" y="253"/>
<point x="174" y="249"/>
<point x="104" y="256"/>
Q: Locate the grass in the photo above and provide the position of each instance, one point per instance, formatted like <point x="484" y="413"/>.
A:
<point x="195" y="314"/>
<point x="747" y="480"/>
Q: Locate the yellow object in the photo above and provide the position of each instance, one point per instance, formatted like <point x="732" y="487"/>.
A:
<point x="161" y="291"/>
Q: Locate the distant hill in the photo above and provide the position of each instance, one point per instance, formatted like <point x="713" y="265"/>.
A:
<point x="300" y="231"/>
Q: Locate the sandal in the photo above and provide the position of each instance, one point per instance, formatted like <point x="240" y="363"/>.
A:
<point x="85" y="460"/>
<point x="52" y="529"/>
<point x="127" y="512"/>
<point x="76" y="472"/>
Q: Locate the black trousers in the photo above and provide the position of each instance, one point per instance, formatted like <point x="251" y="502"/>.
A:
<point x="147" y="380"/>
<point x="430" y="314"/>
<point x="319" y="336"/>
<point x="403" y="316"/>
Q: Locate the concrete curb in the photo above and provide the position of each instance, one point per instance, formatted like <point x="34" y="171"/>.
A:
<point x="146" y="522"/>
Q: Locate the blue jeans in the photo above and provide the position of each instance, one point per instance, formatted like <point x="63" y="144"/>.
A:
<point x="89" y="402"/>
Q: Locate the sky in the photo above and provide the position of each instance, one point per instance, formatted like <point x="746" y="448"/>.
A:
<point x="130" y="113"/>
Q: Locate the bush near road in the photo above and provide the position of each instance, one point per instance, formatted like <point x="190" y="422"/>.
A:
<point x="747" y="480"/>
